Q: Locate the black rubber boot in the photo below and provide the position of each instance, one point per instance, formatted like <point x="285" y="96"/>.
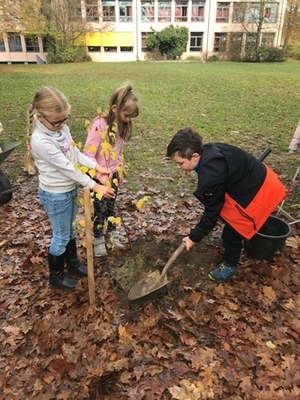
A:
<point x="73" y="264"/>
<point x="58" y="279"/>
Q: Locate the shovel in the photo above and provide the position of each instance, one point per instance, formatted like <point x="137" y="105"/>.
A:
<point x="155" y="280"/>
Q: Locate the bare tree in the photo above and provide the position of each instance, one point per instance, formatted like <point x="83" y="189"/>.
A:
<point x="291" y="29"/>
<point x="22" y="15"/>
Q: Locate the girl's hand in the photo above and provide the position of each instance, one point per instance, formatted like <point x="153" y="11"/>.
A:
<point x="188" y="243"/>
<point x="107" y="192"/>
<point x="104" y="171"/>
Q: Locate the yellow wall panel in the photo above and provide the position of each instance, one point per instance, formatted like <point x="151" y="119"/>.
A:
<point x="126" y="39"/>
<point x="93" y="39"/>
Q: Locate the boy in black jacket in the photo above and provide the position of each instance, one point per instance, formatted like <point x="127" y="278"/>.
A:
<point x="232" y="185"/>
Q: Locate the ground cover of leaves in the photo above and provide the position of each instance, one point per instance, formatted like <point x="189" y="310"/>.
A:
<point x="192" y="339"/>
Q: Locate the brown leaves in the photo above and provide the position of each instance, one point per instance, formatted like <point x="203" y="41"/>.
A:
<point x="193" y="339"/>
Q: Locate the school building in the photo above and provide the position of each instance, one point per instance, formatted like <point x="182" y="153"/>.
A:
<point x="118" y="28"/>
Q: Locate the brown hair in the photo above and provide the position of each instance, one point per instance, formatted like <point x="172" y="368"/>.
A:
<point x="48" y="102"/>
<point x="125" y="100"/>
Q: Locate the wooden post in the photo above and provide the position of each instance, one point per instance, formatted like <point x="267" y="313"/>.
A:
<point x="89" y="246"/>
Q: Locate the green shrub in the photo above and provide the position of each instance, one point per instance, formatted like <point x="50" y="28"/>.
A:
<point x="213" y="58"/>
<point x="293" y="51"/>
<point x="265" y="54"/>
<point x="67" y="54"/>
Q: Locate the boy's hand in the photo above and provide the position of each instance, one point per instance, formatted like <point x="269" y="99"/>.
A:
<point x="104" y="171"/>
<point x="188" y="243"/>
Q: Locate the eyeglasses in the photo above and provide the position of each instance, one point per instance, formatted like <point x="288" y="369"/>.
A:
<point x="58" y="123"/>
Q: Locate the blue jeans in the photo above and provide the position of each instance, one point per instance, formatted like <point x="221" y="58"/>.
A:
<point x="61" y="209"/>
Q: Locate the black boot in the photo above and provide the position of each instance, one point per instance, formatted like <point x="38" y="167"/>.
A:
<point x="73" y="264"/>
<point x="58" y="279"/>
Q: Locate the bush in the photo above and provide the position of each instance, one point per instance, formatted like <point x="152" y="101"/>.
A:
<point x="265" y="54"/>
<point x="170" y="41"/>
<point x="68" y="54"/>
<point x="293" y="51"/>
<point x="213" y="58"/>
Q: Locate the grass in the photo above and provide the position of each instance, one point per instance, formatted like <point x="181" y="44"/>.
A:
<point x="253" y="106"/>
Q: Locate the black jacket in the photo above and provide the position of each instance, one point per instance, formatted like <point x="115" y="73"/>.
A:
<point x="225" y="169"/>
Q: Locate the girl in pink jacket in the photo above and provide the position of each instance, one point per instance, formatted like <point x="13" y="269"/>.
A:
<point x="295" y="142"/>
<point x="104" y="144"/>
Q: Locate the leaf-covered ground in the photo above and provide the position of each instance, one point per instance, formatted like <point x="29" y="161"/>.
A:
<point x="192" y="339"/>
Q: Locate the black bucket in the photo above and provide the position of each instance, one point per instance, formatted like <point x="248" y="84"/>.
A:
<point x="269" y="239"/>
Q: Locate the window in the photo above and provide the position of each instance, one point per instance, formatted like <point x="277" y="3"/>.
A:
<point x="197" y="11"/>
<point x="181" y="8"/>
<point x="196" y="41"/>
<point x="125" y="11"/>
<point x="14" y="42"/>
<point x="220" y="42"/>
<point x="164" y="11"/>
<point x="128" y="49"/>
<point x="94" y="48"/>
<point x="75" y="11"/>
<point x="253" y="15"/>
<point x="251" y="41"/>
<point x="2" y="45"/>
<point x="46" y="43"/>
<point x="271" y="10"/>
<point x="267" y="39"/>
<point x="238" y="15"/>
<point x="32" y="43"/>
<point x="222" y="12"/>
<point x="109" y="13"/>
<point x="144" y="37"/>
<point x="111" y="49"/>
<point x="147" y="11"/>
<point x="91" y="10"/>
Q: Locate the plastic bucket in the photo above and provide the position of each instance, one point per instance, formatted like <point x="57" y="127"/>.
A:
<point x="269" y="239"/>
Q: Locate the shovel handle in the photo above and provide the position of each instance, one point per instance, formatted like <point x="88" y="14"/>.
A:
<point x="264" y="154"/>
<point x="173" y="258"/>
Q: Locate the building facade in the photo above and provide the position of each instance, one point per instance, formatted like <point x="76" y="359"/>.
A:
<point x="118" y="28"/>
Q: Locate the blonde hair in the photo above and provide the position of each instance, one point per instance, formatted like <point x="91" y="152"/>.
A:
<point x="124" y="99"/>
<point x="48" y="102"/>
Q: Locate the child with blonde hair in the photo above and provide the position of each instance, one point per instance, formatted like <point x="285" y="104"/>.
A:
<point x="50" y="145"/>
<point x="110" y="131"/>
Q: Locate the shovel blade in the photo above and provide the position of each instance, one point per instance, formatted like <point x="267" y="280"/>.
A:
<point x="149" y="284"/>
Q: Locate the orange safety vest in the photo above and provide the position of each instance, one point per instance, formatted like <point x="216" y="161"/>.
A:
<point x="247" y="221"/>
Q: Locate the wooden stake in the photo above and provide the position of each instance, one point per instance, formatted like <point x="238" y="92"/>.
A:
<point x="89" y="246"/>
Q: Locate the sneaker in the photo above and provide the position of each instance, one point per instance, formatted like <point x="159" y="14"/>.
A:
<point x="99" y="247"/>
<point x="222" y="273"/>
<point x="114" y="241"/>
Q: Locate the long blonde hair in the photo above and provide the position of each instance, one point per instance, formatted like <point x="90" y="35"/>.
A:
<point x="124" y="94"/>
<point x="48" y="102"/>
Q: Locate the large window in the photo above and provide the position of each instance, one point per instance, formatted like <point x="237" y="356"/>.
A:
<point x="196" y="41"/>
<point x="267" y="39"/>
<point x="147" y="11"/>
<point x="251" y="41"/>
<point x="222" y="12"/>
<point x="220" y="41"/>
<point x="271" y="10"/>
<point x="181" y="8"/>
<point x="109" y="13"/>
<point x="14" y="42"/>
<point x="197" y="11"/>
<point x="238" y="15"/>
<point x="125" y="11"/>
<point x="2" y="46"/>
<point x="91" y="10"/>
<point x="144" y="37"/>
<point x="32" y="44"/>
<point x="254" y="12"/>
<point x="164" y="11"/>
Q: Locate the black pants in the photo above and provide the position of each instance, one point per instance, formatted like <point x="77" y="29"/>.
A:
<point x="233" y="245"/>
<point x="103" y="209"/>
